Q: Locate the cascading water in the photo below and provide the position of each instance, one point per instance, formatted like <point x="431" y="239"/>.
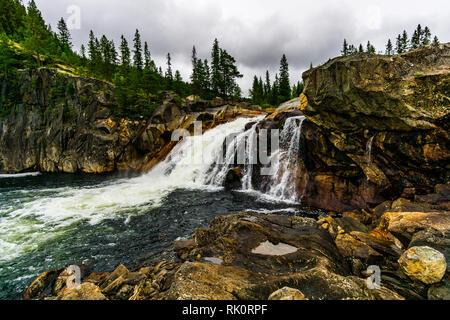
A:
<point x="51" y="221"/>
<point x="369" y="150"/>
<point x="283" y="181"/>
<point x="284" y="160"/>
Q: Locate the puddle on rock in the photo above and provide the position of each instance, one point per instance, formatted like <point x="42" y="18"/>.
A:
<point x="269" y="249"/>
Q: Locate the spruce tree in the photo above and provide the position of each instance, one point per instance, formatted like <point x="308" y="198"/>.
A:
<point x="36" y="32"/>
<point x="344" y="50"/>
<point x="415" y="40"/>
<point x="370" y="48"/>
<point x="169" y="74"/>
<point x="137" y="58"/>
<point x="64" y="34"/>
<point x="267" y="87"/>
<point x="426" y="39"/>
<point x="195" y="81"/>
<point x="149" y="65"/>
<point x="389" y="48"/>
<point x="216" y="79"/>
<point x="125" y="55"/>
<point x="228" y="73"/>
<point x="405" y="41"/>
<point x="361" y="48"/>
<point x="284" y="85"/>
<point x="436" y="40"/>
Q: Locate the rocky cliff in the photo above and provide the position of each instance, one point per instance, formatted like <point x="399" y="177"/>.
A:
<point x="377" y="128"/>
<point x="67" y="124"/>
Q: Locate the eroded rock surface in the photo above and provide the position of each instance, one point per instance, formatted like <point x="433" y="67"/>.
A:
<point x="77" y="132"/>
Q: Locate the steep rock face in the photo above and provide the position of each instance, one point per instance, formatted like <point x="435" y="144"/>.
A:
<point x="377" y="128"/>
<point x="384" y="120"/>
<point x="73" y="129"/>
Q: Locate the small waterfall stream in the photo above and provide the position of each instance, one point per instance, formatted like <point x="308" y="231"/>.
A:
<point x="283" y="181"/>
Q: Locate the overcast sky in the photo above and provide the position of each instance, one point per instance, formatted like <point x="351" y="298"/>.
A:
<point x="255" y="32"/>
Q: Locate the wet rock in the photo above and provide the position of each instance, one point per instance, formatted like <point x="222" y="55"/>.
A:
<point x="287" y="293"/>
<point x="315" y="268"/>
<point x="404" y="225"/>
<point x="440" y="291"/>
<point x="289" y="105"/>
<point x="423" y="264"/>
<point x="86" y="291"/>
<point x="233" y="180"/>
<point x="382" y="245"/>
<point x="120" y="272"/>
<point x="352" y="248"/>
<point x="41" y="284"/>
<point x="437" y="240"/>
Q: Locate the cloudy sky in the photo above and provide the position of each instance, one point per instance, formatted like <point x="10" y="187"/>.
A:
<point x="255" y="32"/>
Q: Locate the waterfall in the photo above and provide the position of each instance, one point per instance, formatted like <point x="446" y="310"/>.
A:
<point x="369" y="150"/>
<point x="283" y="181"/>
<point x="285" y="161"/>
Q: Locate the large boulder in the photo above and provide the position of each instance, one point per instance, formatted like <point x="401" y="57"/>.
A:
<point x="403" y="92"/>
<point x="423" y="264"/>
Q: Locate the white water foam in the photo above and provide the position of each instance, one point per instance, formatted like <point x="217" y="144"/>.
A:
<point x="44" y="218"/>
<point x="20" y="175"/>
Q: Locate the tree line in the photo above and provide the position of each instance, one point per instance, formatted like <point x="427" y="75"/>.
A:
<point x="421" y="37"/>
<point x="217" y="80"/>
<point x="139" y="84"/>
<point x="269" y="94"/>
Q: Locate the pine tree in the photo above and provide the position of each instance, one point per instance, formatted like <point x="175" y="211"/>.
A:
<point x="12" y="16"/>
<point x="169" y="74"/>
<point x="405" y="41"/>
<point x="125" y="55"/>
<point x="216" y="78"/>
<point x="415" y="40"/>
<point x="228" y="73"/>
<point x="137" y="58"/>
<point x="436" y="40"/>
<point x="426" y="39"/>
<point x="83" y="52"/>
<point x="267" y="87"/>
<point x="352" y="49"/>
<point x="64" y="34"/>
<point x="178" y="83"/>
<point x="370" y="48"/>
<point x="148" y="62"/>
<point x="94" y="52"/>
<point x="195" y="81"/>
<point x="36" y="32"/>
<point x="419" y="33"/>
<point x="361" y="48"/>
<point x="389" y="48"/>
<point x="398" y="45"/>
<point x="344" y="50"/>
<point x="284" y="86"/>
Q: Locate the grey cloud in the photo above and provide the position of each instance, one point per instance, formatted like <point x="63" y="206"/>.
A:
<point x="256" y="32"/>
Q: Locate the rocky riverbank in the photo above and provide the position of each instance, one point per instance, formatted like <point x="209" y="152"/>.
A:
<point x="375" y="155"/>
<point x="251" y="256"/>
